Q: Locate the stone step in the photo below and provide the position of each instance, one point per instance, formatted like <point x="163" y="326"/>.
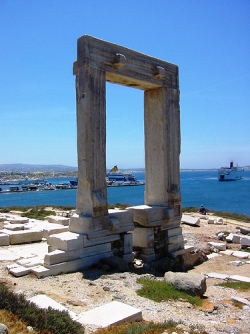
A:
<point x="59" y="256"/>
<point x="44" y="302"/>
<point x="31" y="262"/>
<point x="112" y="313"/>
<point x="241" y="255"/>
<point x="18" y="220"/>
<point x="240" y="278"/>
<point x="242" y="301"/>
<point x="221" y="246"/>
<point x="189" y="220"/>
<point x="213" y="255"/>
<point x="245" y="241"/>
<point x="58" y="220"/>
<point x="19" y="271"/>
<point x="14" y="227"/>
<point x="23" y="237"/>
<point x="66" y="241"/>
<point x="227" y="252"/>
<point x="51" y="228"/>
<point x="68" y="267"/>
<point x="217" y="275"/>
<point x="229" y="277"/>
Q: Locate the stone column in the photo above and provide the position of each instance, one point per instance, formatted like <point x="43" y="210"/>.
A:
<point x="174" y="193"/>
<point x="162" y="146"/>
<point x="91" y="142"/>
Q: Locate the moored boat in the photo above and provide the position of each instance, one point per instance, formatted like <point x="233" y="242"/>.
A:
<point x="231" y="173"/>
<point x="63" y="186"/>
<point x="117" y="178"/>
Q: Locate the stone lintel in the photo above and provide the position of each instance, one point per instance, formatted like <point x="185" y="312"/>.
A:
<point x="118" y="221"/>
<point x="146" y="215"/>
<point x="124" y="66"/>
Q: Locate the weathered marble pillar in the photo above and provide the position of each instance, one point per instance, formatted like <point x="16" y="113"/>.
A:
<point x="91" y="142"/>
<point x="162" y="146"/>
<point x="174" y="199"/>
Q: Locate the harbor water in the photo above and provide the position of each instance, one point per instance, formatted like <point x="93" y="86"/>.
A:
<point x="197" y="187"/>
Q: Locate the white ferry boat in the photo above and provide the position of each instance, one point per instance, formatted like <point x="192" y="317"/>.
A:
<point x="117" y="178"/>
<point x="231" y="173"/>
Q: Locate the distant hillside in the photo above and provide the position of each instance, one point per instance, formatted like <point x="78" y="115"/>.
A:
<point x="26" y="168"/>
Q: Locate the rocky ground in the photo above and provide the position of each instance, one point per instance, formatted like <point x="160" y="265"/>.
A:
<point x="82" y="291"/>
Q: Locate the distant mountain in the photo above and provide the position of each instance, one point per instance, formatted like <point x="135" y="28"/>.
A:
<point x="26" y="168"/>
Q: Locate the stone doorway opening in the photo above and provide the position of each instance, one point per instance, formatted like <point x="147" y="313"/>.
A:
<point x="99" y="62"/>
<point x="95" y="232"/>
<point x="124" y="128"/>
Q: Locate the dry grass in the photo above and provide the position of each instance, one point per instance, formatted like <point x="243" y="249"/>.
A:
<point x="139" y="328"/>
<point x="15" y="326"/>
<point x="145" y="327"/>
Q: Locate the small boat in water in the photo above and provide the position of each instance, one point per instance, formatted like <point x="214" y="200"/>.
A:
<point x="231" y="173"/>
<point x="63" y="186"/>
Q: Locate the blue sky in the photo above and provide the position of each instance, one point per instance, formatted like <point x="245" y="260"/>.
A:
<point x="208" y="40"/>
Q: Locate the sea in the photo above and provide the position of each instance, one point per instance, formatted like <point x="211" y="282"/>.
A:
<point x="198" y="187"/>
